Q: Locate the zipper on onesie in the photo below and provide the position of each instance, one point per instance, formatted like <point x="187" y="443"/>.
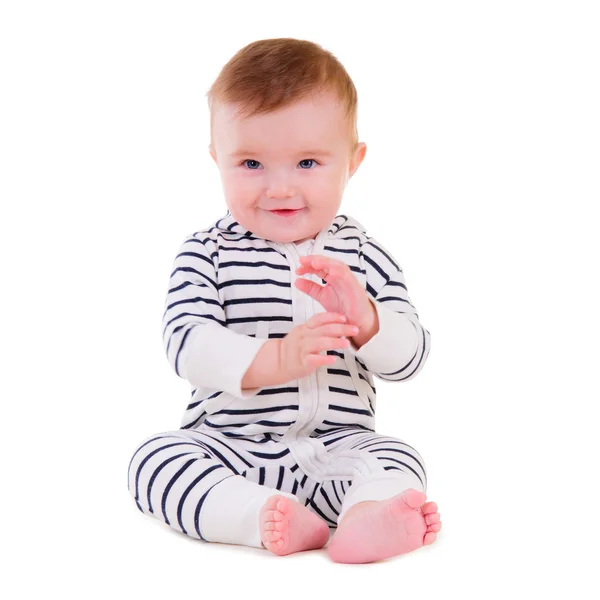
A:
<point x="309" y="386"/>
<point x="311" y="457"/>
<point x="309" y="312"/>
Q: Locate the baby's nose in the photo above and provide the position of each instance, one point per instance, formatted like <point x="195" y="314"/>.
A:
<point x="280" y="187"/>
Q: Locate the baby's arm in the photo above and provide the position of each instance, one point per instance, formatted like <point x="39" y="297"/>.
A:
<point x="398" y="351"/>
<point x="199" y="346"/>
<point x="298" y="353"/>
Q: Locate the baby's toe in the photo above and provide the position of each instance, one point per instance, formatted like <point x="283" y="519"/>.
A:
<point x="269" y="515"/>
<point x="271" y="503"/>
<point x="413" y="498"/>
<point x="435" y="527"/>
<point x="433" y="518"/>
<point x="429" y="538"/>
<point x="272" y="536"/>
<point x="429" y="507"/>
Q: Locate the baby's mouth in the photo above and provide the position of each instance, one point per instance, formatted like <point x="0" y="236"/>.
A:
<point x="286" y="212"/>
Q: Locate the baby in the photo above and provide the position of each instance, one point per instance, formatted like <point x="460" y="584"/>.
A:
<point x="279" y="315"/>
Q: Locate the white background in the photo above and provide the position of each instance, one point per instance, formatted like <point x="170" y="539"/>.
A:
<point x="481" y="177"/>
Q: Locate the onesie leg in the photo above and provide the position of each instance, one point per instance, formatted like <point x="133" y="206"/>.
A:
<point x="170" y="475"/>
<point x="384" y="512"/>
<point x="189" y="480"/>
<point x="231" y="511"/>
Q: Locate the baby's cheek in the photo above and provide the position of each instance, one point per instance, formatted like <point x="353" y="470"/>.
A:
<point x="239" y="191"/>
<point x="238" y="184"/>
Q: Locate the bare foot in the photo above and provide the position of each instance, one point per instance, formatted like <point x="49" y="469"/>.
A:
<point x="286" y="526"/>
<point x="380" y="529"/>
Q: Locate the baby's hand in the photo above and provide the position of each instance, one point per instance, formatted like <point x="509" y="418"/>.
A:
<point x="342" y="292"/>
<point x="299" y="349"/>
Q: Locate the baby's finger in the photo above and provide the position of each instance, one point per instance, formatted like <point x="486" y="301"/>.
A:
<point x="318" y="261"/>
<point x="337" y="329"/>
<point x="324" y="318"/>
<point x="321" y="343"/>
<point x="319" y="359"/>
<point x="303" y="270"/>
<point x="315" y="263"/>
<point x="322" y="263"/>
<point x="309" y="287"/>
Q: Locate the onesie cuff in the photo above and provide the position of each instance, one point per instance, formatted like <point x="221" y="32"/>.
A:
<point x="393" y="345"/>
<point x="230" y="512"/>
<point x="218" y="358"/>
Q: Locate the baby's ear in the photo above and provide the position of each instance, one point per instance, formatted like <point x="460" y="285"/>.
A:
<point x="357" y="158"/>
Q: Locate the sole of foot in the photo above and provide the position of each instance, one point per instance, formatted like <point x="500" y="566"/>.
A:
<point x="376" y="530"/>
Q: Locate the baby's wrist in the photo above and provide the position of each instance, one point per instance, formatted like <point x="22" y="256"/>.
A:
<point x="265" y="369"/>
<point x="367" y="328"/>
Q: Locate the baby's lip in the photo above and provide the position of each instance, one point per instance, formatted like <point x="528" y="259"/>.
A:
<point x="279" y="209"/>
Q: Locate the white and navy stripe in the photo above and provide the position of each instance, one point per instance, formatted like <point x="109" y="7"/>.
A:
<point x="230" y="290"/>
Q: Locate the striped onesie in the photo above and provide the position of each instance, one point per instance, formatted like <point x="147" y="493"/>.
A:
<point x="312" y="439"/>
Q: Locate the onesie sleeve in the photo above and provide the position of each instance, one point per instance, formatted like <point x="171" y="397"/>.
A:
<point x="199" y="346"/>
<point x="398" y="351"/>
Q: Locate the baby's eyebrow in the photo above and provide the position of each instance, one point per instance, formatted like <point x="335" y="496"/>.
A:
<point x="242" y="153"/>
<point x="316" y="153"/>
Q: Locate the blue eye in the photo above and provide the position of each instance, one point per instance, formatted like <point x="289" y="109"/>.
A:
<point x="251" y="161"/>
<point x="308" y="160"/>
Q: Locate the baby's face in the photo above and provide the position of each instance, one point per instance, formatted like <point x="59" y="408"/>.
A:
<point x="296" y="159"/>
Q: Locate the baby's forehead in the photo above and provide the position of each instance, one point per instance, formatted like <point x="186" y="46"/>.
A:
<point x="301" y="122"/>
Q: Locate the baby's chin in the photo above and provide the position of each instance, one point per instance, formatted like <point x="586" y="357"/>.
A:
<point x="287" y="235"/>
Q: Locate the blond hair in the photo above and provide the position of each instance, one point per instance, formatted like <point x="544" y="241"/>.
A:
<point x="270" y="74"/>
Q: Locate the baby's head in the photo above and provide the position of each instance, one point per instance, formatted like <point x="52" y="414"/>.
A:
<point x="284" y="136"/>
